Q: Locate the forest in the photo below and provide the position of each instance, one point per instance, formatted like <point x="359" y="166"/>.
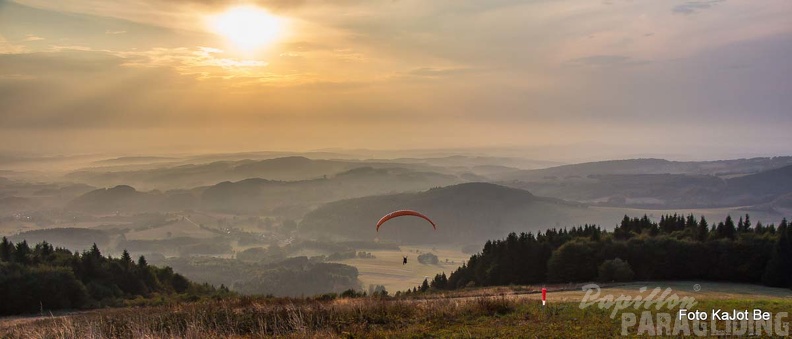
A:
<point x="677" y="247"/>
<point x="43" y="278"/>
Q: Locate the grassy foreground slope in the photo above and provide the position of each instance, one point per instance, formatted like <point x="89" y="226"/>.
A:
<point x="499" y="312"/>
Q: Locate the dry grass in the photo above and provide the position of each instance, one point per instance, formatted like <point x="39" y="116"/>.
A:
<point x="487" y="312"/>
<point x="249" y="317"/>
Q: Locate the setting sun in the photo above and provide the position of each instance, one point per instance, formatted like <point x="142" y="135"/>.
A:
<point x="247" y="28"/>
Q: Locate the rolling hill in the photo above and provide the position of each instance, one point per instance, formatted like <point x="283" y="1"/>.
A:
<point x="293" y="168"/>
<point x="463" y="213"/>
<point x="120" y="198"/>
<point x="75" y="239"/>
<point x="720" y="168"/>
<point x="256" y="195"/>
<point x="661" y="184"/>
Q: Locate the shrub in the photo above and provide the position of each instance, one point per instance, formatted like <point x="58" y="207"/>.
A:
<point x="428" y="259"/>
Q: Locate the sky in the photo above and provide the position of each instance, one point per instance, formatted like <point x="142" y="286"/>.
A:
<point x="559" y="79"/>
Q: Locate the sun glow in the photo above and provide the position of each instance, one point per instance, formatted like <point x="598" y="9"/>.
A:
<point x="248" y="27"/>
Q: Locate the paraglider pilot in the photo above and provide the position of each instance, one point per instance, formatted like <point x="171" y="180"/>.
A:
<point x="405" y="261"/>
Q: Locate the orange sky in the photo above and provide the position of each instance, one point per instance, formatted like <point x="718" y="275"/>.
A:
<point x="697" y="78"/>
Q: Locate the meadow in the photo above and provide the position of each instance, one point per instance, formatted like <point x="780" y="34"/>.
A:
<point x="386" y="267"/>
<point x="492" y="313"/>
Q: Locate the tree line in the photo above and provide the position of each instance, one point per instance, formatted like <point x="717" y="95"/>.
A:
<point x="43" y="278"/>
<point x="677" y="247"/>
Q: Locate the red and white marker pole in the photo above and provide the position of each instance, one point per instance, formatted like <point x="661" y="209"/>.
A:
<point x="544" y="296"/>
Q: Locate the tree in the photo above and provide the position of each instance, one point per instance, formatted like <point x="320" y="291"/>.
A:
<point x="126" y="259"/>
<point x="703" y="230"/>
<point x="573" y="261"/>
<point x="95" y="253"/>
<point x="180" y="283"/>
<point x="425" y="286"/>
<point x="746" y="225"/>
<point x="439" y="282"/>
<point x="760" y="229"/>
<point x="51" y="279"/>
<point x="778" y="272"/>
<point x="615" y="270"/>
<point x="142" y="263"/>
<point x="22" y="253"/>
<point x="727" y="228"/>
<point x="6" y="250"/>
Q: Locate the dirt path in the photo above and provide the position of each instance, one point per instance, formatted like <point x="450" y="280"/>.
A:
<point x="6" y="322"/>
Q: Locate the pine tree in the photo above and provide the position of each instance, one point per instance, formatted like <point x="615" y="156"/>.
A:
<point x="22" y="253"/>
<point x="142" y="263"/>
<point x="703" y="230"/>
<point x="729" y="230"/>
<point x="95" y="252"/>
<point x="425" y="286"/>
<point x="691" y="223"/>
<point x="760" y="229"/>
<point x="778" y="272"/>
<point x="126" y="259"/>
<point x="6" y="250"/>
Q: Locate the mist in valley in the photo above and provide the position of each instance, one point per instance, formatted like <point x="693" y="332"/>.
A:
<point x="260" y="222"/>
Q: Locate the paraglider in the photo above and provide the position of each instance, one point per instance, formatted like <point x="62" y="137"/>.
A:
<point x="401" y="213"/>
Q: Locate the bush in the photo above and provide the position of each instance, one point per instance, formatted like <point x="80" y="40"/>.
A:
<point x="326" y="297"/>
<point x="350" y="293"/>
<point x="494" y="306"/>
<point x="428" y="259"/>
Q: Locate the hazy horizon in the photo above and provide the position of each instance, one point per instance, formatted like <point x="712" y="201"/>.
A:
<point x="552" y="156"/>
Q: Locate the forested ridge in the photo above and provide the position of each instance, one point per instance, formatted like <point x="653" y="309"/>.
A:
<point x="677" y="247"/>
<point x="44" y="278"/>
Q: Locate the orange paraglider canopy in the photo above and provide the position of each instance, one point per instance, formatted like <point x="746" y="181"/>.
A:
<point x="400" y="213"/>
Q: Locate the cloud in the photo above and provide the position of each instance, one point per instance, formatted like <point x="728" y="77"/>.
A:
<point x="81" y="89"/>
<point x="501" y="64"/>
<point x="6" y="47"/>
<point x="31" y="37"/>
<point x="607" y="61"/>
<point x="202" y="63"/>
<point x="437" y="72"/>
<point x="273" y="5"/>
<point x="692" y="7"/>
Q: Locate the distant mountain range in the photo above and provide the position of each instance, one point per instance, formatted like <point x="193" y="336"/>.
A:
<point x="656" y="183"/>
<point x="189" y="176"/>
<point x="261" y="195"/>
<point x="256" y="195"/>
<point x="292" y="186"/>
<point x="719" y="168"/>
